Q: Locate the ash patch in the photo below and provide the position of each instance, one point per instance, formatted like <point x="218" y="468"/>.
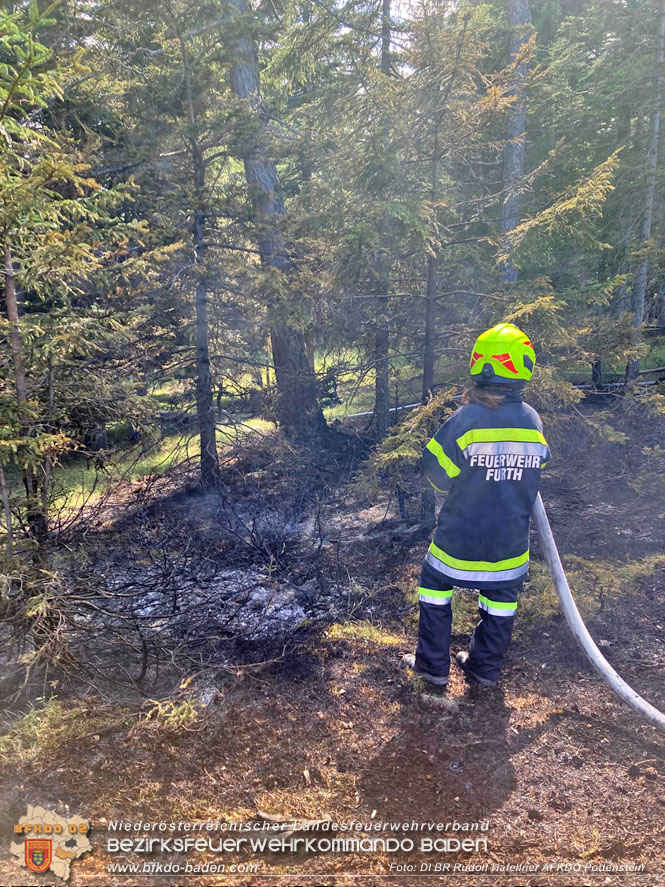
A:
<point x="240" y="603"/>
<point x="246" y="604"/>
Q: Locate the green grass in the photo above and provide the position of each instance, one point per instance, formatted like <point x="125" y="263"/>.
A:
<point x="78" y="482"/>
<point x="41" y="733"/>
<point x="592" y="583"/>
<point x="655" y="356"/>
<point x="362" y="402"/>
<point x="228" y="433"/>
<point x="356" y="388"/>
<point x="364" y="631"/>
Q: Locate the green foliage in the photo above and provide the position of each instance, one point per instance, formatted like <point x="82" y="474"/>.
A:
<point x="394" y="460"/>
<point x="569" y="214"/>
<point x="181" y="713"/>
<point x="69" y="246"/>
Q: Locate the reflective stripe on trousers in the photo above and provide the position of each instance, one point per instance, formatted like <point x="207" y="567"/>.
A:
<point x="490" y="638"/>
<point x="434" y="625"/>
<point x="497" y="608"/>
<point x="437" y="597"/>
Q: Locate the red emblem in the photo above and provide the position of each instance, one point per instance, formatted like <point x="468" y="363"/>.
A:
<point x="474" y="357"/>
<point x="506" y="361"/>
<point x="38" y="854"/>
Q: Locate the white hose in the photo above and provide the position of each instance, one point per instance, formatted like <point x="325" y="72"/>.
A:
<point x="579" y="629"/>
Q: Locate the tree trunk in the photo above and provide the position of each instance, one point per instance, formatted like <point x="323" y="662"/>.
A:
<point x="20" y="380"/>
<point x="211" y="477"/>
<point x="428" y="500"/>
<point x="430" y="340"/>
<point x="205" y="413"/>
<point x="47" y="465"/>
<point x="430" y="302"/>
<point x="37" y="519"/>
<point x="660" y="305"/>
<point x="640" y="281"/>
<point x="382" y="280"/>
<point x="519" y="20"/>
<point x="381" y="349"/>
<point x="298" y="409"/>
<point x="6" y="505"/>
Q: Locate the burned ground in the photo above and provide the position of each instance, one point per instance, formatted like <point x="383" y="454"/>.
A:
<point x="331" y="727"/>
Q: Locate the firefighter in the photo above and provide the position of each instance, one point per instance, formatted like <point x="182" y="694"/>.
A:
<point x="488" y="457"/>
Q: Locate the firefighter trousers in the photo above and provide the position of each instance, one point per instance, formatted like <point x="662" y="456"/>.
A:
<point x="490" y="638"/>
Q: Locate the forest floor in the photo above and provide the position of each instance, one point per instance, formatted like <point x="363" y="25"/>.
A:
<point x="333" y="729"/>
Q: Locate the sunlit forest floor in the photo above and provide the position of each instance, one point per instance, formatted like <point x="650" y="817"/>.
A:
<point x="331" y="727"/>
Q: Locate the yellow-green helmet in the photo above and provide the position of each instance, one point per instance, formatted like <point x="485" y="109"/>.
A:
<point x="503" y="356"/>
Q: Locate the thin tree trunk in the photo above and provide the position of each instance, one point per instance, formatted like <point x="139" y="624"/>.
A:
<point x="205" y="413"/>
<point x="430" y="332"/>
<point x="430" y="302"/>
<point x="47" y="465"/>
<point x="4" y="494"/>
<point x="625" y="133"/>
<point x="37" y="519"/>
<point x="658" y="310"/>
<point x="381" y="350"/>
<point x="298" y="409"/>
<point x="210" y="470"/>
<point x="660" y="304"/>
<point x="519" y="20"/>
<point x="640" y="281"/>
<point x="20" y="380"/>
<point x="428" y="500"/>
<point x="382" y="279"/>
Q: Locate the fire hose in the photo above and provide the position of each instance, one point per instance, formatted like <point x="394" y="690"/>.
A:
<point x="579" y="629"/>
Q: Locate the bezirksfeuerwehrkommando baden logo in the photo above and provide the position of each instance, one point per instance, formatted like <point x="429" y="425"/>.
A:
<point x="50" y="841"/>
